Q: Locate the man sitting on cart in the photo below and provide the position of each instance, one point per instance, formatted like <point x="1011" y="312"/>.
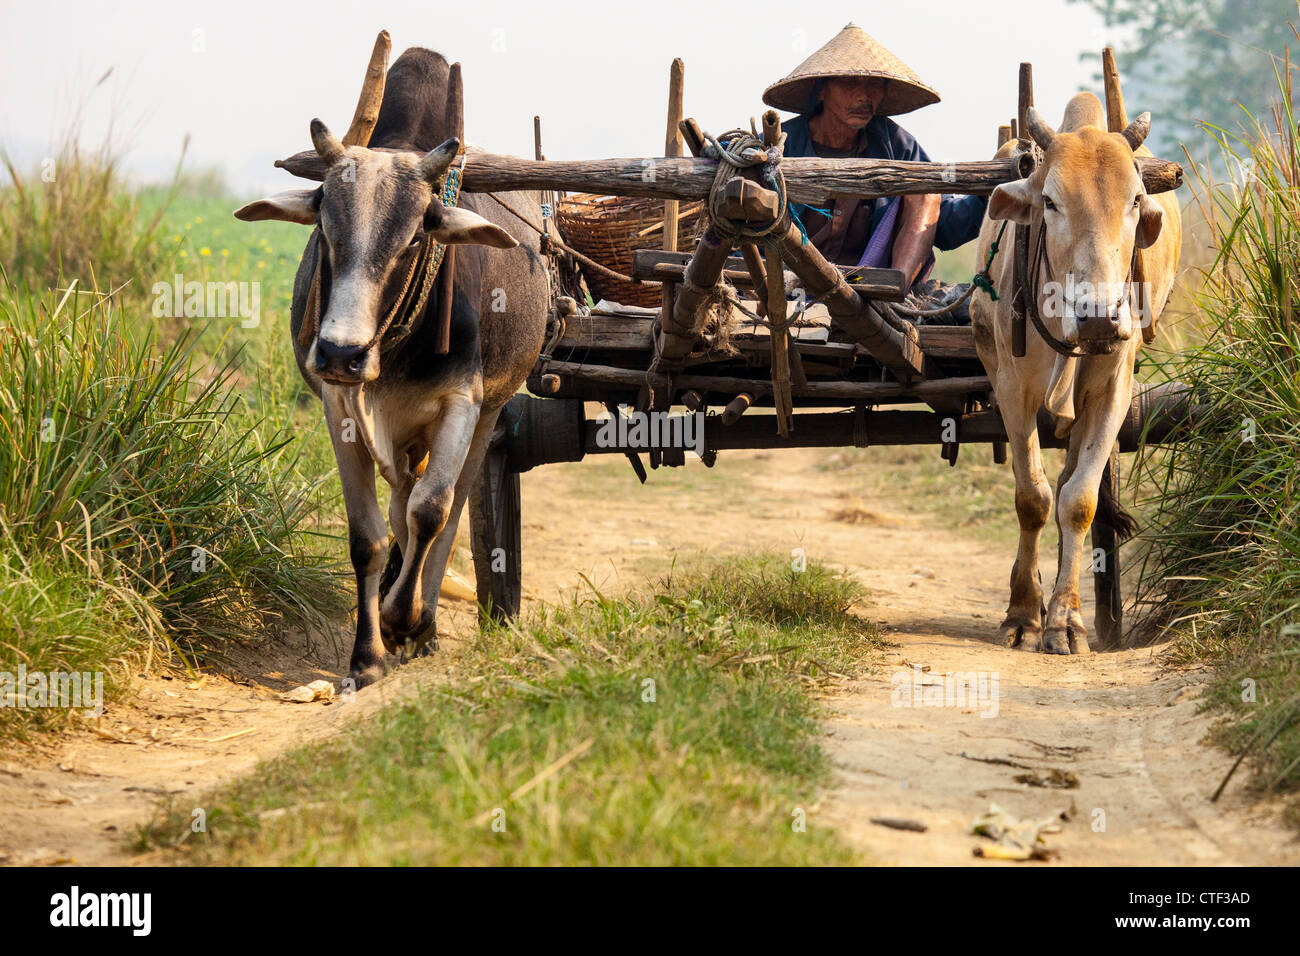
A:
<point x="845" y="94"/>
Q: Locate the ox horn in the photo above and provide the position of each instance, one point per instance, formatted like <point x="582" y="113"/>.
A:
<point x="327" y="144"/>
<point x="372" y="94"/>
<point x="434" y="163"/>
<point x="1137" y="131"/>
<point x="1038" y="128"/>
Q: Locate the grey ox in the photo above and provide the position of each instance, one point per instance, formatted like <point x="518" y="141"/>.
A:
<point x="391" y="399"/>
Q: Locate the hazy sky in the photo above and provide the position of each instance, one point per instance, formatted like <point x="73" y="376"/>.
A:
<point x="245" y="78"/>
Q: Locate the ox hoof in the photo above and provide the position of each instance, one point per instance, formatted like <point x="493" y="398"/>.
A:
<point x="407" y="642"/>
<point x="1079" y="641"/>
<point x="365" y="676"/>
<point x="1021" y="635"/>
<point x="1056" y="640"/>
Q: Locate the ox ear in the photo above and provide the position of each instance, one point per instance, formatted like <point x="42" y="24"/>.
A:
<point x="1150" y="219"/>
<point x="1014" y="201"/>
<point x="454" y="224"/>
<point x="296" y="205"/>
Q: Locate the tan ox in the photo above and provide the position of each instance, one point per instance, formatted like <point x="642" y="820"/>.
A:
<point x="1089" y="197"/>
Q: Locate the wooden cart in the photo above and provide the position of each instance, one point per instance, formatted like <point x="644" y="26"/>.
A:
<point x="851" y="381"/>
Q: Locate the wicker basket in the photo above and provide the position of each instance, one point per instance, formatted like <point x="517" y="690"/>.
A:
<point x="608" y="229"/>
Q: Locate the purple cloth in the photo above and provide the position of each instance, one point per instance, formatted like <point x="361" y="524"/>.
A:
<point x="881" y="243"/>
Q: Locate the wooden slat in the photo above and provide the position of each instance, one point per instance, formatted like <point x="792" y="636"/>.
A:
<point x="658" y="266"/>
<point x="952" y="342"/>
<point x="947" y="341"/>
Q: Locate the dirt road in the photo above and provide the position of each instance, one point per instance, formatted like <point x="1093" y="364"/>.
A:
<point x="1125" y="726"/>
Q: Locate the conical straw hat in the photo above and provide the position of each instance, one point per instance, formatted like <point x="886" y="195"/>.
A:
<point x="852" y="53"/>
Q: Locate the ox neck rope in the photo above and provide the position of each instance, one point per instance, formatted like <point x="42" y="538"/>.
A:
<point x="410" y="303"/>
<point x="1027" y="276"/>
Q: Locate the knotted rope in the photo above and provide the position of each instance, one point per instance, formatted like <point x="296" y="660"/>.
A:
<point x="735" y="150"/>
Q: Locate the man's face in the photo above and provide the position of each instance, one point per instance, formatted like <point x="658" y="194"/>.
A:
<point x="852" y="101"/>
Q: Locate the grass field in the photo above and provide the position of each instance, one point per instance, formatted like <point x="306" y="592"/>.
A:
<point x="165" y="489"/>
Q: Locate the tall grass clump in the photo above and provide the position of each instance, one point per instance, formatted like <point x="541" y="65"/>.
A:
<point x="136" y="488"/>
<point x="1224" y="555"/>
<point x="74" y="217"/>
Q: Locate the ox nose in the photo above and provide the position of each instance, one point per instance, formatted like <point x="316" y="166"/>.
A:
<point x="1098" y="327"/>
<point x="345" y="361"/>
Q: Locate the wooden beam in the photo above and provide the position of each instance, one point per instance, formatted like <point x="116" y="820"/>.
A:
<point x="809" y="179"/>
<point x="579" y="372"/>
<point x="822" y="282"/>
<point x="680" y="327"/>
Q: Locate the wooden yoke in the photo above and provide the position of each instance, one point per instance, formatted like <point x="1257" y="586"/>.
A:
<point x="744" y="208"/>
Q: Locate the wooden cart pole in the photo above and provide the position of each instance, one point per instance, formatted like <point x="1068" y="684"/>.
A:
<point x="1026" y="97"/>
<point x="672" y="148"/>
<point x="1116" y="119"/>
<point x="1021" y="124"/>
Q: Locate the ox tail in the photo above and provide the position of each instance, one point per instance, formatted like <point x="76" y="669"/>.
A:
<point x="1110" y="513"/>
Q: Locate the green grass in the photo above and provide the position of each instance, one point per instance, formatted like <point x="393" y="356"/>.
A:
<point x="687" y="715"/>
<point x="75" y="218"/>
<point x="166" y="484"/>
<point x="132" y="467"/>
<point x="1224" y="557"/>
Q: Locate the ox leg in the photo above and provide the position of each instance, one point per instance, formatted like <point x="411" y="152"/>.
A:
<point x="1023" y="625"/>
<point x="404" y="615"/>
<point x="397" y="502"/>
<point x="1091" y="440"/>
<point x="367" y="536"/>
<point x="436" y="566"/>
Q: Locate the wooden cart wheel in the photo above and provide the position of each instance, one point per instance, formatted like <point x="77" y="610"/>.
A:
<point x="496" y="536"/>
<point x="1108" y="623"/>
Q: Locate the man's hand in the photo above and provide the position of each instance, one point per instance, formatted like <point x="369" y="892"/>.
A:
<point x="915" y="237"/>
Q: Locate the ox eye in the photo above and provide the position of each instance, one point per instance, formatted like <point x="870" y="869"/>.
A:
<point x="1048" y="204"/>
